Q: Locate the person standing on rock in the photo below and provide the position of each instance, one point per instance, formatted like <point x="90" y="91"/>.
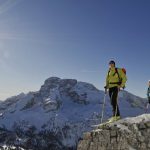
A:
<point x="148" y="97"/>
<point x="148" y="92"/>
<point x="115" y="80"/>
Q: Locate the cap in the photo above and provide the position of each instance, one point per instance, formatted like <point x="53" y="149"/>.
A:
<point x="112" y="62"/>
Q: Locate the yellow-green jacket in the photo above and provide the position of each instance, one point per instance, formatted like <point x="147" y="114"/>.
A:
<point x="113" y="79"/>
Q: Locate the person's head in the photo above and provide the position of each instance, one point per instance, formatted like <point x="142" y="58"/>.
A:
<point x="112" y="64"/>
<point x="149" y="82"/>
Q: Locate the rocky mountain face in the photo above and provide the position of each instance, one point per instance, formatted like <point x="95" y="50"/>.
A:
<point x="56" y="116"/>
<point x="127" y="134"/>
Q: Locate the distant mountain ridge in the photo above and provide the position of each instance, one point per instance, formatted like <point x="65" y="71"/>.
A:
<point x="62" y="108"/>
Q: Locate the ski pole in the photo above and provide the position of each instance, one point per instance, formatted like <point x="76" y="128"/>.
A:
<point x="102" y="116"/>
<point x="147" y="106"/>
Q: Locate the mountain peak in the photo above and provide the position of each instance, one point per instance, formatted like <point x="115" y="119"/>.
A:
<point x="51" y="80"/>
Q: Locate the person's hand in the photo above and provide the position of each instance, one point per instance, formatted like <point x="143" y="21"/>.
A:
<point x="119" y="87"/>
<point x="105" y="87"/>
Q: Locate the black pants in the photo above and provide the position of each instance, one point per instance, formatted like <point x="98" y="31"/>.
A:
<point x="149" y="100"/>
<point x="113" y="93"/>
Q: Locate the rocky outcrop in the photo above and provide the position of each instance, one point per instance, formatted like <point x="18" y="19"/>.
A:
<point x="127" y="134"/>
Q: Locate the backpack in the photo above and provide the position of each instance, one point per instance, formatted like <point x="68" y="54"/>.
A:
<point x="116" y="71"/>
<point x="124" y="70"/>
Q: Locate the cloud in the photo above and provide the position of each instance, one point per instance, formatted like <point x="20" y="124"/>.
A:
<point x="4" y="56"/>
<point x="6" y="5"/>
<point x="11" y="36"/>
<point x="30" y="37"/>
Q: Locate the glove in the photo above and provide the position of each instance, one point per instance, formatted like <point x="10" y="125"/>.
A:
<point x="105" y="87"/>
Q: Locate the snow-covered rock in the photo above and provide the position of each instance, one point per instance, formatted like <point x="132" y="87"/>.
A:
<point x="62" y="108"/>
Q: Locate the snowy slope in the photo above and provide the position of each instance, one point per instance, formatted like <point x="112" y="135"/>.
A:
<point x="65" y="107"/>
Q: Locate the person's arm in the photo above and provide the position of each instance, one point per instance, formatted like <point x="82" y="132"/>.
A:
<point x="107" y="81"/>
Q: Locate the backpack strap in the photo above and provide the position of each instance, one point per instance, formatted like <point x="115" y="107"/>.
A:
<point x="116" y="71"/>
<point x="108" y="73"/>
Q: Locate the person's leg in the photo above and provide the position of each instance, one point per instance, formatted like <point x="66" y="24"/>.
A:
<point x="149" y="100"/>
<point x="116" y="111"/>
<point x="110" y="95"/>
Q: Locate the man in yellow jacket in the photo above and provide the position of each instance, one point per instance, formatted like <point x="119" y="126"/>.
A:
<point x="115" y="80"/>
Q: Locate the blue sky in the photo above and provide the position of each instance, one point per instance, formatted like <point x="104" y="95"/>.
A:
<point x="72" y="39"/>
